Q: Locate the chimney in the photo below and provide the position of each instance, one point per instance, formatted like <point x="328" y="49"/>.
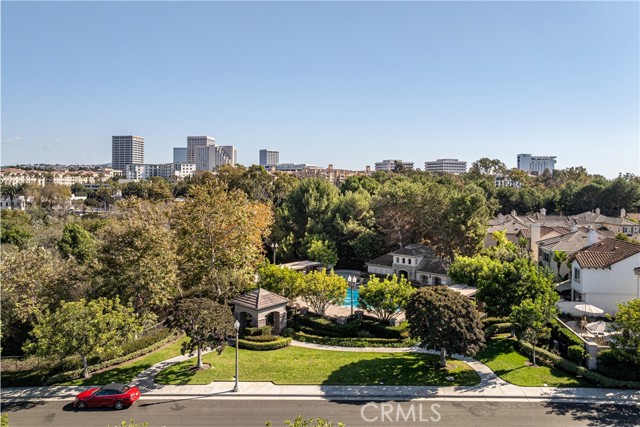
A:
<point x="500" y="217"/>
<point x="513" y="213"/>
<point x="535" y="238"/>
<point x="574" y="227"/>
<point x="592" y="237"/>
<point x="597" y="211"/>
<point x="623" y="213"/>
<point x="543" y="212"/>
<point x="368" y="169"/>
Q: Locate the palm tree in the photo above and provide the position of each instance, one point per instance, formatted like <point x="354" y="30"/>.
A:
<point x="10" y="191"/>
<point x="559" y="257"/>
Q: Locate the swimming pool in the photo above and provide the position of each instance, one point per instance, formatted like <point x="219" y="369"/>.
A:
<point x="347" y="301"/>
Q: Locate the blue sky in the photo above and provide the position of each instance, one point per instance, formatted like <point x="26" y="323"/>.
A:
<point x="342" y="83"/>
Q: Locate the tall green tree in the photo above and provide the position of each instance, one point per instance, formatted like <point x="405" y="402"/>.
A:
<point x="627" y="323"/>
<point x="219" y="231"/>
<point x="206" y="323"/>
<point x="94" y="328"/>
<point x="281" y="281"/>
<point x="77" y="242"/>
<point x="15" y="228"/>
<point x="530" y="319"/>
<point x="385" y="298"/>
<point x="322" y="251"/>
<point x="137" y="258"/>
<point x="445" y="320"/>
<point x="320" y="290"/>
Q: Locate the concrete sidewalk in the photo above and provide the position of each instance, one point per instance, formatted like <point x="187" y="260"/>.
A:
<point x="491" y="387"/>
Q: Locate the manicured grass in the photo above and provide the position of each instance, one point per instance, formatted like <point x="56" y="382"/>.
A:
<point x="128" y="371"/>
<point x="297" y="365"/>
<point x="503" y="359"/>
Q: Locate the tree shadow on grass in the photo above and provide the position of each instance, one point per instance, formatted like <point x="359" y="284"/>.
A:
<point x="116" y="375"/>
<point x="410" y="369"/>
<point x="179" y="374"/>
<point x="597" y="414"/>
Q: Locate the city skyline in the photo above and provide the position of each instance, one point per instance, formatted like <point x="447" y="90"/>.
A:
<point x="356" y="84"/>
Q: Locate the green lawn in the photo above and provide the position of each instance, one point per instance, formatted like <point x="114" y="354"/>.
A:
<point x="501" y="356"/>
<point x="297" y="365"/>
<point x="128" y="371"/>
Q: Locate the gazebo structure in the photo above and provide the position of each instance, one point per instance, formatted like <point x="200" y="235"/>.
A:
<point x="260" y="308"/>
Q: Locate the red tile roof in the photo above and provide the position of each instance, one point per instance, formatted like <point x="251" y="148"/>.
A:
<point x="605" y="253"/>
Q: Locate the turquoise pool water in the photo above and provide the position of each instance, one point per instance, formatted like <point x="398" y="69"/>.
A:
<point x="347" y="301"/>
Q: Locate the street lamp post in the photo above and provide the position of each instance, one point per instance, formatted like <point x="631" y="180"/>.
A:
<point x="236" y="326"/>
<point x="274" y="246"/>
<point x="351" y="280"/>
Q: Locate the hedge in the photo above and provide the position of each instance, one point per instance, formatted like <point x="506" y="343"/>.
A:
<point x="263" y="330"/>
<point x="550" y="359"/>
<point x="261" y="346"/>
<point x="619" y="364"/>
<point x="77" y="373"/>
<point x="576" y="353"/>
<point x="353" y="342"/>
<point x="497" y="328"/>
<point x="488" y="321"/>
<point x="261" y="338"/>
<point x="320" y="326"/>
<point x="567" y="337"/>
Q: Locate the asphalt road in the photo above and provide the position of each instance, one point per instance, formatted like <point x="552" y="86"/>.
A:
<point x="192" y="412"/>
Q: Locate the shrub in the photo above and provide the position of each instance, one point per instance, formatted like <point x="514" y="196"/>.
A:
<point x="325" y="327"/>
<point x="261" y="346"/>
<point x="261" y="338"/>
<point x="353" y="341"/>
<point x="262" y="330"/>
<point x="288" y="332"/>
<point x="619" y="365"/>
<point x="576" y="353"/>
<point x="488" y="321"/>
<point x="497" y="328"/>
<point x="567" y="337"/>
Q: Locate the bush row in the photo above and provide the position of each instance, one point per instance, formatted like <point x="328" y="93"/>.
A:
<point x="488" y="321"/>
<point x="77" y="373"/>
<point x="261" y="338"/>
<point x="547" y="358"/>
<point x="262" y="330"/>
<point x="353" y="329"/>
<point x="270" y="345"/>
<point x="353" y="342"/>
<point x="566" y="337"/>
<point x="618" y="364"/>
<point x="496" y="328"/>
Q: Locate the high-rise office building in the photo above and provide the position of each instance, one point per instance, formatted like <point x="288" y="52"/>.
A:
<point x="180" y="155"/>
<point x="193" y="142"/>
<point x="392" y="165"/>
<point x="269" y="157"/>
<point x="536" y="164"/>
<point x="210" y="157"/>
<point x="454" y="166"/>
<point x="126" y="150"/>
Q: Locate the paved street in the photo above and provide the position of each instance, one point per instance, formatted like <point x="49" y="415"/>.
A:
<point x="192" y="412"/>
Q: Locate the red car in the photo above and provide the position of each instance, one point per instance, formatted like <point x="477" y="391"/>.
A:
<point x="111" y="395"/>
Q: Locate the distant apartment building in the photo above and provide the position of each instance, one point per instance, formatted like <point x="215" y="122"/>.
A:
<point x="126" y="150"/>
<point x="180" y="155"/>
<point x="195" y="142"/>
<point x="454" y="166"/>
<point x="269" y="157"/>
<point x="210" y="157"/>
<point x="391" y="165"/>
<point x="535" y="165"/>
<point x="165" y="170"/>
<point x="14" y="176"/>
<point x="303" y="170"/>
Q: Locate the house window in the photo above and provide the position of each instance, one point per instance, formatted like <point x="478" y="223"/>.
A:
<point x="403" y="261"/>
<point x="437" y="281"/>
<point x="547" y="257"/>
<point x="397" y="259"/>
<point x="576" y="274"/>
<point x="409" y="261"/>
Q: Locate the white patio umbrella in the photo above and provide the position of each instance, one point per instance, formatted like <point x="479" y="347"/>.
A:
<point x="589" y="309"/>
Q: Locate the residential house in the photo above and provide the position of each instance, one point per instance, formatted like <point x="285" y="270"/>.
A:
<point x="603" y="274"/>
<point x="418" y="263"/>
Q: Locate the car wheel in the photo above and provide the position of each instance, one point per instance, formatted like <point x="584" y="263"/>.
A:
<point x="118" y="405"/>
<point x="82" y="404"/>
